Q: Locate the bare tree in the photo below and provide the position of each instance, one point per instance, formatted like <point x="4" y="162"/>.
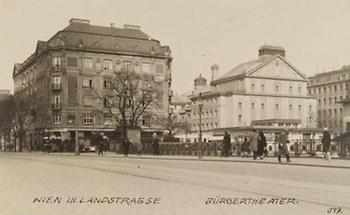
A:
<point x="172" y="124"/>
<point x="24" y="110"/>
<point x="131" y="94"/>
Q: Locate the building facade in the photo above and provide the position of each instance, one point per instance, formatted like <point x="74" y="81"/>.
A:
<point x="64" y="73"/>
<point x="330" y="88"/>
<point x="268" y="93"/>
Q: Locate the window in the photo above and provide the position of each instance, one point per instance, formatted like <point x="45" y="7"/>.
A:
<point x="290" y="89"/>
<point x="57" y="118"/>
<point x="240" y="105"/>
<point x="299" y="89"/>
<point x="290" y="107"/>
<point x="108" y="64"/>
<point x="299" y="107"/>
<point x="262" y="106"/>
<point x="335" y="88"/>
<point x="253" y="106"/>
<point x="108" y="119"/>
<point x="262" y="87"/>
<point x="276" y="106"/>
<point x="56" y="82"/>
<point x="324" y="89"/>
<point x="72" y="61"/>
<point x="88" y="100"/>
<point x="240" y="118"/>
<point x="57" y="61"/>
<point x="253" y="87"/>
<point x="277" y="88"/>
<point x="107" y="102"/>
<point x="146" y="67"/>
<point x="87" y="63"/>
<point x="98" y="63"/>
<point x="324" y="101"/>
<point x="88" y="119"/>
<point x="330" y="100"/>
<point x="87" y="82"/>
<point x="107" y="84"/>
<point x="56" y="101"/>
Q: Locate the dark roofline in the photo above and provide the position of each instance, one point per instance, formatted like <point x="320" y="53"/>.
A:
<point x="35" y="55"/>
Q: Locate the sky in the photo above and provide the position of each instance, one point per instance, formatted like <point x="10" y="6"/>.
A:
<point x="200" y="33"/>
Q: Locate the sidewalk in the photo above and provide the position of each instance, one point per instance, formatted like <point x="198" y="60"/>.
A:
<point x="311" y="162"/>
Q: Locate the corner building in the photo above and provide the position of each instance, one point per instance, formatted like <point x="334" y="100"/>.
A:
<point x="64" y="73"/>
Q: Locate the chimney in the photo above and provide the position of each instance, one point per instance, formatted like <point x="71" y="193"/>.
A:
<point x="132" y="27"/>
<point x="79" y="21"/>
<point x="214" y="72"/>
<point x="112" y="25"/>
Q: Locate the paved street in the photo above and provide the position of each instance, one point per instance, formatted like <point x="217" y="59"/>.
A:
<point x="42" y="184"/>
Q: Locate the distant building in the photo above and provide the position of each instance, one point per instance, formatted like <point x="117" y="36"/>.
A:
<point x="329" y="88"/>
<point x="64" y="71"/>
<point x="268" y="93"/>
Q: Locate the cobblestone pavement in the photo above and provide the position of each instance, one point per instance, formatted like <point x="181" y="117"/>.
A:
<point x="41" y="184"/>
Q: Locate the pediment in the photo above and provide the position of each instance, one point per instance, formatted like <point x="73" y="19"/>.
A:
<point x="277" y="68"/>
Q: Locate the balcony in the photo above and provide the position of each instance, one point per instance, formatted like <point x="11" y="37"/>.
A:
<point x="56" y="86"/>
<point x="56" y="106"/>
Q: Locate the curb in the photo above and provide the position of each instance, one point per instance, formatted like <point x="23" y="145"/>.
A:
<point x="113" y="156"/>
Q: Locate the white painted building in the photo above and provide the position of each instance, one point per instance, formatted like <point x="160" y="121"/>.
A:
<point x="268" y="93"/>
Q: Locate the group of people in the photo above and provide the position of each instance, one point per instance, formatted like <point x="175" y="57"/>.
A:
<point x="256" y="143"/>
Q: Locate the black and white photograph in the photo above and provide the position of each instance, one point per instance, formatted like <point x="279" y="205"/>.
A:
<point x="175" y="107"/>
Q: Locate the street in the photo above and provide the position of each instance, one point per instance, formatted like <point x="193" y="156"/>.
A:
<point x="40" y="184"/>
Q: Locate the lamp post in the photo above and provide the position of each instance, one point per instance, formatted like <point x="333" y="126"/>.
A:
<point x="187" y="127"/>
<point x="200" y="106"/>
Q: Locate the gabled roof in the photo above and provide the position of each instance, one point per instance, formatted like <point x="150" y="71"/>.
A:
<point x="250" y="67"/>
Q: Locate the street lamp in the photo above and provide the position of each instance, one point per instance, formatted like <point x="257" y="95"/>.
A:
<point x="200" y="106"/>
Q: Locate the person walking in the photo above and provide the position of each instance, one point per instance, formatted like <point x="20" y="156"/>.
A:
<point x="261" y="144"/>
<point x="125" y="147"/>
<point x="100" y="148"/>
<point x="245" y="147"/>
<point x="226" y="144"/>
<point x="326" y="143"/>
<point x="283" y="146"/>
<point x="254" y="143"/>
<point x="155" y="144"/>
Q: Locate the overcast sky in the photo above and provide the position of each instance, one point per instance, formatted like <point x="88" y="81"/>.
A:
<point x="315" y="33"/>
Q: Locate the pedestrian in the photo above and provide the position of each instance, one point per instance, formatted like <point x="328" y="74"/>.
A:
<point x="226" y="144"/>
<point x="261" y="144"/>
<point x="326" y="143"/>
<point x="245" y="147"/>
<point x="100" y="148"/>
<point x="254" y="143"/>
<point x="155" y="144"/>
<point x="283" y="146"/>
<point x="125" y="147"/>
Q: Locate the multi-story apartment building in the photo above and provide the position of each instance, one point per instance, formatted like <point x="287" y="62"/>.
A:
<point x="268" y="93"/>
<point x="64" y="73"/>
<point x="329" y="88"/>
